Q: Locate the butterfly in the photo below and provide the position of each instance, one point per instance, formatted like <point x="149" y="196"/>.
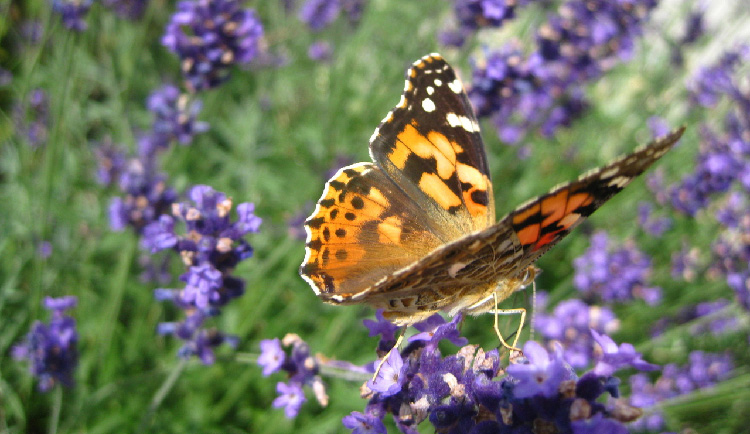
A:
<point x="414" y="231"/>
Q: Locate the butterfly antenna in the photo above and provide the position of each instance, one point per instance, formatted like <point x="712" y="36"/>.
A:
<point x="395" y="347"/>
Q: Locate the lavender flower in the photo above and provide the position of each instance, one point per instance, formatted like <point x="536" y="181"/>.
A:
<point x="32" y="120"/>
<point x="740" y="283"/>
<point x="716" y="326"/>
<point x="614" y="357"/>
<point x="146" y="196"/>
<point x="291" y="397"/>
<point x="543" y="91"/>
<point x="209" y="36"/>
<point x="44" y="249"/>
<point x="653" y="225"/>
<point x="389" y="379"/>
<point x="303" y="370"/>
<point x="542" y="374"/>
<point x="319" y="14"/>
<point x="72" y="12"/>
<point x="51" y="349"/>
<point x="685" y="263"/>
<point x="460" y="394"/>
<point x="212" y="246"/>
<point x="363" y="424"/>
<point x="272" y="356"/>
<point x="570" y="325"/>
<point x="111" y="162"/>
<point x="175" y="115"/>
<point x="702" y="371"/>
<point x="475" y="14"/>
<point x="320" y="51"/>
<point x="614" y="274"/>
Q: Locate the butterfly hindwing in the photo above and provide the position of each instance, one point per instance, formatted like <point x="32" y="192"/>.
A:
<point x="541" y="222"/>
<point x="430" y="145"/>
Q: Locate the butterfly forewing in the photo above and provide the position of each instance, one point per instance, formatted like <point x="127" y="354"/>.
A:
<point x="430" y="145"/>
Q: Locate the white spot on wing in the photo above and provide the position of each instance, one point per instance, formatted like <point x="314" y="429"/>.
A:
<point x="430" y="90"/>
<point x="428" y="105"/>
<point x="620" y="181"/>
<point x="438" y="82"/>
<point x="456" y="86"/>
<point x="452" y="119"/>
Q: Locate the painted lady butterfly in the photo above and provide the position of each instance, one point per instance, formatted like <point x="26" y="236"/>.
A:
<point x="414" y="232"/>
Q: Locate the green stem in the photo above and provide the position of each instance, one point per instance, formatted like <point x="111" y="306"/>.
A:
<point x="160" y="394"/>
<point x="54" y="419"/>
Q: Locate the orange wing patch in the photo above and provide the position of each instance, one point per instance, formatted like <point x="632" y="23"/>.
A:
<point x="362" y="229"/>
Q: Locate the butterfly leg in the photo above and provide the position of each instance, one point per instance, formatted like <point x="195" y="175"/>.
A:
<point x="499" y="312"/>
<point x="395" y="347"/>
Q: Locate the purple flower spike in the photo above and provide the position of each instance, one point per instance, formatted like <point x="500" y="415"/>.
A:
<point x="51" y="348"/>
<point x="318" y="14"/>
<point x="614" y="357"/>
<point x="175" y="115"/>
<point x="542" y="374"/>
<point x="271" y="356"/>
<point x="203" y="283"/>
<point x="391" y="376"/>
<point x="363" y="424"/>
<point x="291" y="397"/>
<point x="210" y="36"/>
<point x="72" y="12"/>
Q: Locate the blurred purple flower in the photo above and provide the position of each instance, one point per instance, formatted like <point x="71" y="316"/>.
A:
<point x="44" y="249"/>
<point x="147" y="196"/>
<point x="320" y="51"/>
<point x="318" y="14"/>
<point x="51" y="349"/>
<point x="570" y="325"/>
<point x="685" y="263"/>
<point x="175" y="115"/>
<point x="475" y="14"/>
<point x="31" y="118"/>
<point x="542" y="92"/>
<point x="271" y="357"/>
<point x="702" y="371"/>
<point x="653" y="225"/>
<point x="302" y="368"/>
<point x="291" y="397"/>
<point x="72" y="12"/>
<point x="209" y="36"/>
<point x="614" y="274"/>
<point x="740" y="283"/>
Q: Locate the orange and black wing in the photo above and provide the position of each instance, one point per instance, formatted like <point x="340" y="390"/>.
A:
<point x="541" y="222"/>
